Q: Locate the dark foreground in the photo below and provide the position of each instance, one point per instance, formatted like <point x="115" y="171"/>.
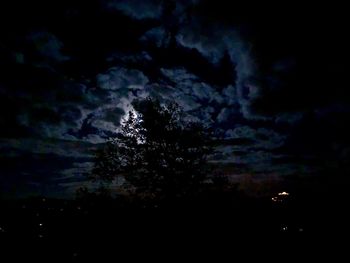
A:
<point x="49" y="230"/>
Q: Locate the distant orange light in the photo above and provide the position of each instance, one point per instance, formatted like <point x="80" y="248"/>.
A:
<point x="283" y="193"/>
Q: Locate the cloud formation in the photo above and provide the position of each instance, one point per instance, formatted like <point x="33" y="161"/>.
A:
<point x="69" y="75"/>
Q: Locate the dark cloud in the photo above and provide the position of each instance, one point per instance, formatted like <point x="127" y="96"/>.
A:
<point x="48" y="46"/>
<point x="272" y="84"/>
<point x="121" y="78"/>
<point x="34" y="170"/>
<point x="114" y="115"/>
<point x="157" y="36"/>
<point x="149" y="9"/>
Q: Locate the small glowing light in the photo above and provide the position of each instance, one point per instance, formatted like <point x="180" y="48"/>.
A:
<point x="301" y="230"/>
<point x="274" y="199"/>
<point x="79" y="208"/>
<point x="284" y="228"/>
<point x="40" y="224"/>
<point x="283" y="193"/>
<point x="44" y="200"/>
<point x="40" y="236"/>
<point x="61" y="209"/>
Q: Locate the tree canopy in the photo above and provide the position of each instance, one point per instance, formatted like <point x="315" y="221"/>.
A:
<point x="157" y="151"/>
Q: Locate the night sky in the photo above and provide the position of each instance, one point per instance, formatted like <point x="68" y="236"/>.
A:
<point x="271" y="80"/>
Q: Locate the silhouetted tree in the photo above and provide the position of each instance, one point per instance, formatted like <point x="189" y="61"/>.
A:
<point x="159" y="153"/>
